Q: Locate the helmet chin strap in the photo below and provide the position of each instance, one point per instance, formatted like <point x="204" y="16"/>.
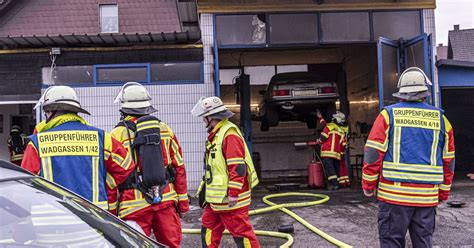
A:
<point x="207" y="121"/>
<point x="53" y="114"/>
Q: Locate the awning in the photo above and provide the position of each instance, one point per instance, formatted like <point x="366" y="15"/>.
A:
<point x="457" y="63"/>
<point x="85" y="40"/>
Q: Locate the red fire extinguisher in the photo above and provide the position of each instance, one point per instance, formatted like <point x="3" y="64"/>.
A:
<point x="316" y="177"/>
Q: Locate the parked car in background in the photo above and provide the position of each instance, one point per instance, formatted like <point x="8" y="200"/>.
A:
<point x="296" y="96"/>
<point x="35" y="212"/>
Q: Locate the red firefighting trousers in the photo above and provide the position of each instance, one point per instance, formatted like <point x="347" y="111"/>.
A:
<point x="164" y="221"/>
<point x="236" y="221"/>
<point x="343" y="173"/>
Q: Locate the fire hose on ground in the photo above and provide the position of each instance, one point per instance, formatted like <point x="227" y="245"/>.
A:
<point x="284" y="208"/>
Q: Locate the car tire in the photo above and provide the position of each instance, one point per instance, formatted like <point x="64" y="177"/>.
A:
<point x="272" y="117"/>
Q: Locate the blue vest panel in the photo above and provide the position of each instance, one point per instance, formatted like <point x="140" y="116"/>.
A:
<point x="416" y="141"/>
<point x="72" y="155"/>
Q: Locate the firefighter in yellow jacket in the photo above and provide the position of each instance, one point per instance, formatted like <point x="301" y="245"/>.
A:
<point x="162" y="217"/>
<point x="66" y="150"/>
<point x="229" y="177"/>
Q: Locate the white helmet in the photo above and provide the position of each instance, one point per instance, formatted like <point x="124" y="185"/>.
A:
<point x="207" y="106"/>
<point x="134" y="99"/>
<point x="413" y="80"/>
<point x="60" y="98"/>
<point x="339" y="117"/>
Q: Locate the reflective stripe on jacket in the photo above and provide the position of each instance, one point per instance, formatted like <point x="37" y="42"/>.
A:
<point x="217" y="178"/>
<point x="405" y="193"/>
<point x="133" y="200"/>
<point x="334" y="141"/>
<point x="72" y="155"/>
<point x="415" y="148"/>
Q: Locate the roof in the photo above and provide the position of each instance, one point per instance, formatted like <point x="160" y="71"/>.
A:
<point x="96" y="40"/>
<point x="4" y="4"/>
<point x="458" y="63"/>
<point x="461" y="45"/>
<point x="55" y="17"/>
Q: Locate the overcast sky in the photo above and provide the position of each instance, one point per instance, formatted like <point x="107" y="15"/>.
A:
<point x="450" y="12"/>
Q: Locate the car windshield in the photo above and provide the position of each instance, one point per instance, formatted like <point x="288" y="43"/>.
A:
<point x="34" y="212"/>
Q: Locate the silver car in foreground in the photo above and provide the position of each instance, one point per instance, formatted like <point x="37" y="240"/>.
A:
<point x="37" y="213"/>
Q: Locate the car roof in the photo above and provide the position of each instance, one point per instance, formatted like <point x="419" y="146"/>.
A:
<point x="11" y="171"/>
<point x="296" y="75"/>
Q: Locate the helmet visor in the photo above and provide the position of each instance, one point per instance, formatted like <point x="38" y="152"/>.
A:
<point x="198" y="109"/>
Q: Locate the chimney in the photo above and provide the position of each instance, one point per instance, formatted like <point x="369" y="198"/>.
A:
<point x="456" y="27"/>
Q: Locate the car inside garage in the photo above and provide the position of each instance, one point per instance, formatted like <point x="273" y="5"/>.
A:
<point x="351" y="70"/>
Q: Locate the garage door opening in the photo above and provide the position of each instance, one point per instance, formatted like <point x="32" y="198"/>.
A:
<point x="352" y="68"/>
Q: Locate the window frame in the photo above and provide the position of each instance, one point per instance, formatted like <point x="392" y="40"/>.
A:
<point x="318" y="23"/>
<point x="96" y="83"/>
<point x="243" y="45"/>
<point x="100" y="18"/>
<point x="95" y="73"/>
<point x="73" y="83"/>
<point x="320" y="42"/>
<point x="200" y="81"/>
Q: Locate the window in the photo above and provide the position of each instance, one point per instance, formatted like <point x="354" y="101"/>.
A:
<point x="172" y="72"/>
<point x="396" y="25"/>
<point x="89" y="75"/>
<point x="68" y="75"/>
<point x="293" y="28"/>
<point x="122" y="73"/>
<point x="109" y="18"/>
<point x="241" y="29"/>
<point x="345" y="27"/>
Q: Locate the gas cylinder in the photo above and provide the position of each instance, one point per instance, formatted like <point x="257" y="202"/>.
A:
<point x="315" y="174"/>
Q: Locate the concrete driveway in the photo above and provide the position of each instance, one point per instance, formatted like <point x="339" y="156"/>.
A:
<point x="354" y="224"/>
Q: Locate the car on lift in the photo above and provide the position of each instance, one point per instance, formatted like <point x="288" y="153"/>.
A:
<point x="296" y="96"/>
<point x="38" y="213"/>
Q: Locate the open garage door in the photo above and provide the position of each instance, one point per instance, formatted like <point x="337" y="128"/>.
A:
<point x="394" y="57"/>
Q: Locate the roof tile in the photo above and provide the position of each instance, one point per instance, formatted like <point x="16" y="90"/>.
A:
<point x="461" y="45"/>
<point x="54" y="17"/>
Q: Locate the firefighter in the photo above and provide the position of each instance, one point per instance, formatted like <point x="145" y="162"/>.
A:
<point x="409" y="159"/>
<point x="163" y="217"/>
<point x="229" y="178"/>
<point x="70" y="152"/>
<point x="333" y="144"/>
<point x="17" y="144"/>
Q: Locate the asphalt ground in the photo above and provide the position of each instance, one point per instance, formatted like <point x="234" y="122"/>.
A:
<point x="346" y="220"/>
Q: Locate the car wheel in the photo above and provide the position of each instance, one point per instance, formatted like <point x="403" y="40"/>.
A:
<point x="272" y="117"/>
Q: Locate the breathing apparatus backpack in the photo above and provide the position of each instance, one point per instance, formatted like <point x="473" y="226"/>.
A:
<point x="147" y="147"/>
<point x="18" y="143"/>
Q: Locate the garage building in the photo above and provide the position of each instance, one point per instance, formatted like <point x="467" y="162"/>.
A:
<point x="361" y="45"/>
